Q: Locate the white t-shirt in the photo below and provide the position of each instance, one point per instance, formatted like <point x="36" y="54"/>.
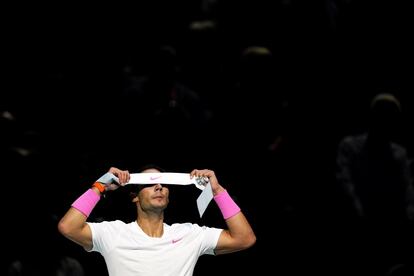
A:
<point x="129" y="251"/>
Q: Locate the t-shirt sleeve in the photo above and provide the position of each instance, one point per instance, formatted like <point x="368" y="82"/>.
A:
<point x="211" y="236"/>
<point x="104" y="235"/>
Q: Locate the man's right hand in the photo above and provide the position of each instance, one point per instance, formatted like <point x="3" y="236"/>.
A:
<point x="123" y="176"/>
<point x="111" y="184"/>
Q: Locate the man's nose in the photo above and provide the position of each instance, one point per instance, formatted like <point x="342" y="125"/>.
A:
<point x="158" y="187"/>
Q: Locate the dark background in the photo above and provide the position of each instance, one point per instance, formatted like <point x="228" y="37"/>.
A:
<point x="86" y="88"/>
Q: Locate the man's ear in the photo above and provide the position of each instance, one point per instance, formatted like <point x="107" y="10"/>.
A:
<point x="134" y="197"/>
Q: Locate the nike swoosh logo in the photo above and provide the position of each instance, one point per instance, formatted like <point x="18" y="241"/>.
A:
<point x="154" y="177"/>
<point x="177" y="240"/>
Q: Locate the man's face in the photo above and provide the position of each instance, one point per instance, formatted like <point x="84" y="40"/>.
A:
<point x="153" y="196"/>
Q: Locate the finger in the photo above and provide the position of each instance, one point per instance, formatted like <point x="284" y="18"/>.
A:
<point x="203" y="172"/>
<point x="121" y="177"/>
<point x="115" y="172"/>
<point x="193" y="173"/>
<point x="124" y="176"/>
<point x="128" y="176"/>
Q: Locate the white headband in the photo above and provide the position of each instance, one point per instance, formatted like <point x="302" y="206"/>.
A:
<point x="169" y="178"/>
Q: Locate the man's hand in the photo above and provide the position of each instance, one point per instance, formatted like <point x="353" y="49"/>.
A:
<point x="215" y="186"/>
<point x="123" y="176"/>
<point x="110" y="183"/>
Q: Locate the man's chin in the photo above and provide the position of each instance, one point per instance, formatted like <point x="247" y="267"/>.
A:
<point x="161" y="206"/>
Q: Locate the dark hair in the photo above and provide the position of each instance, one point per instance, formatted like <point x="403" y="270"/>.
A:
<point x="133" y="191"/>
<point x="151" y="166"/>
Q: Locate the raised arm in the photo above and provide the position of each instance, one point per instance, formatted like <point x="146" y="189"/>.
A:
<point x="73" y="224"/>
<point x="239" y="234"/>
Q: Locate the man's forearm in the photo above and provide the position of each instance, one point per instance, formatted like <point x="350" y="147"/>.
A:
<point x="240" y="230"/>
<point x="86" y="202"/>
<point x="75" y="218"/>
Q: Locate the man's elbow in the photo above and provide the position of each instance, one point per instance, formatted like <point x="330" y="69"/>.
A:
<point x="64" y="228"/>
<point x="249" y="241"/>
<point x="252" y="240"/>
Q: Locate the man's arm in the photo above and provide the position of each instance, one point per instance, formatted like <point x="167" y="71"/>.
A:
<point x="239" y="234"/>
<point x="74" y="227"/>
<point x="73" y="224"/>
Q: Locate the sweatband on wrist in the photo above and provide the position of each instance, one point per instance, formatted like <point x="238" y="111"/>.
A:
<point x="86" y="202"/>
<point x="100" y="187"/>
<point x="226" y="204"/>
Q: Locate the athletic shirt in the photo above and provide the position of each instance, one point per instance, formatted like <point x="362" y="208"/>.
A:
<point x="127" y="250"/>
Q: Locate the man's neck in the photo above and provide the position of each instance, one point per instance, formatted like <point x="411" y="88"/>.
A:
<point x="152" y="226"/>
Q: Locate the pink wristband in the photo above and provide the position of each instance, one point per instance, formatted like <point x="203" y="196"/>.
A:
<point x="86" y="202"/>
<point x="226" y="204"/>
